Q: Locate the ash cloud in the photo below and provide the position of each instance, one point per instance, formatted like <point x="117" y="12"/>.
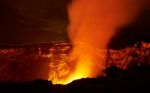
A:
<point x="92" y="25"/>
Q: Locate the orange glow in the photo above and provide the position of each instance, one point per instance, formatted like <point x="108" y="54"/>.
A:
<point x="92" y="24"/>
<point x="65" y="68"/>
<point x="81" y="72"/>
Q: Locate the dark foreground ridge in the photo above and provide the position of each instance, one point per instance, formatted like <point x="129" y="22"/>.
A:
<point x="133" y="80"/>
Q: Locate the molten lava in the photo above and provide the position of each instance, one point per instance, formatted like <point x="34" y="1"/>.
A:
<point x="55" y="59"/>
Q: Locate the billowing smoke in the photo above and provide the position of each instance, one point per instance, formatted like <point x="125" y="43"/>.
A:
<point x="92" y="24"/>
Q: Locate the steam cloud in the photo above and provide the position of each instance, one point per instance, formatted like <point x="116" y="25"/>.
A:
<point x="92" y="24"/>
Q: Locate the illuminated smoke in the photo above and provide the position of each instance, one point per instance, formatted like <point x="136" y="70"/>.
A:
<point x="92" y="25"/>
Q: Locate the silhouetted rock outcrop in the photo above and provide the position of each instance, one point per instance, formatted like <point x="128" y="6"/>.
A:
<point x="132" y="80"/>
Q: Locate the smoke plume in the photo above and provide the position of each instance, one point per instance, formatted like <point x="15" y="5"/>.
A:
<point x="92" y="24"/>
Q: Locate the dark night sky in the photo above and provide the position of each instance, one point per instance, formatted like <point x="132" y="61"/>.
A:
<point x="33" y="21"/>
